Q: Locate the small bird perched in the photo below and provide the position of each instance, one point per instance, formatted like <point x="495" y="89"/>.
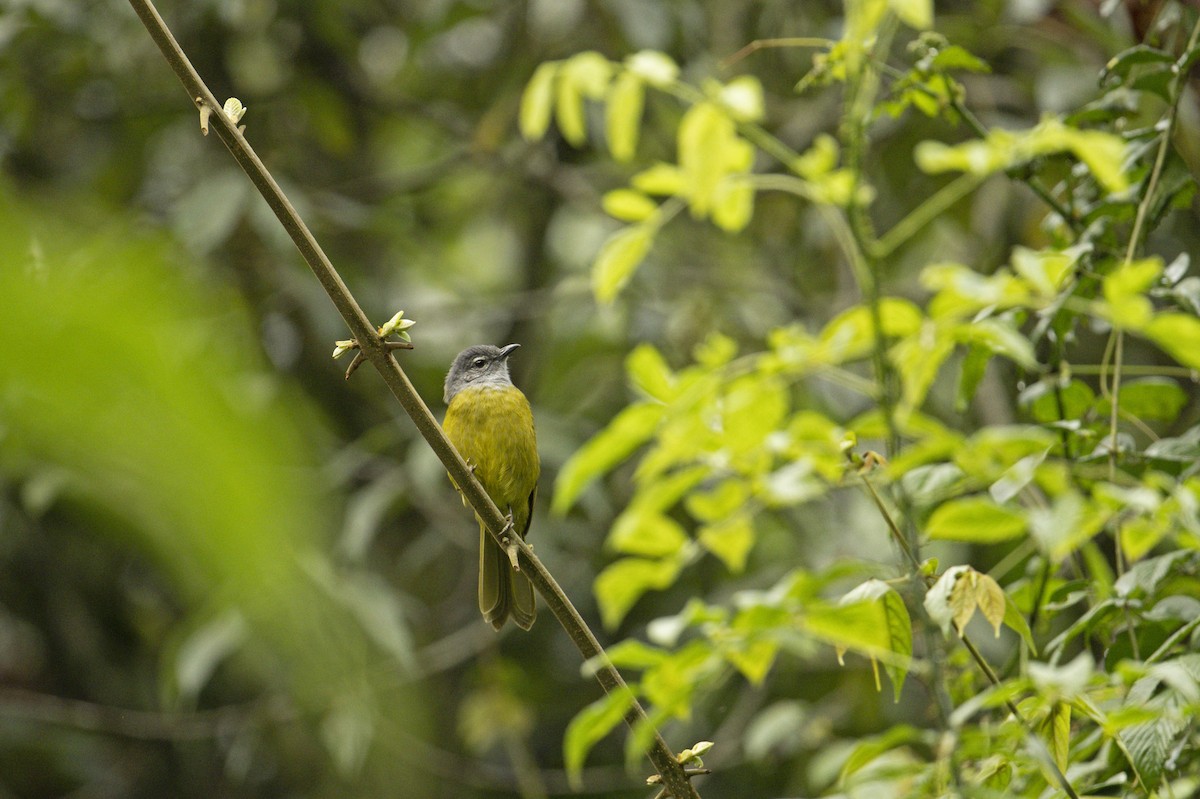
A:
<point x="490" y="423"/>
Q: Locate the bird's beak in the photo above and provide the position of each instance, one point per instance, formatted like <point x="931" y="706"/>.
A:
<point x="508" y="350"/>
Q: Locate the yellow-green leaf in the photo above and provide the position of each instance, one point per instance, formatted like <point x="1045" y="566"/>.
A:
<point x="1046" y="271"/>
<point x="991" y="601"/>
<point x="537" y="101"/>
<point x="894" y="622"/>
<point x="628" y="205"/>
<point x="628" y="430"/>
<point x="1059" y="725"/>
<point x="730" y="540"/>
<point x="913" y="13"/>
<point x="1014" y="619"/>
<point x="753" y="658"/>
<point x="1178" y="335"/>
<point x="1001" y="337"/>
<point x="850" y="334"/>
<point x="623" y="583"/>
<point x="733" y="204"/>
<point x="650" y="374"/>
<point x="584" y="75"/>
<point x="654" y="67"/>
<point x="568" y="109"/>
<point x="703" y="135"/>
<point x="623" y="117"/>
<point x="589" y="727"/>
<point x="743" y="98"/>
<point x="619" y="258"/>
<point x="975" y="520"/>
<point x="649" y="534"/>
<point x="964" y="598"/>
<point x="663" y="180"/>
<point x="1124" y="292"/>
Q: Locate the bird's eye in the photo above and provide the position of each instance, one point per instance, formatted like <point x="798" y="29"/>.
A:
<point x="479" y="363"/>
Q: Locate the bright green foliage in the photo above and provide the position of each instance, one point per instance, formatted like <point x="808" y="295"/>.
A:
<point x="1094" y="460"/>
<point x="1103" y="153"/>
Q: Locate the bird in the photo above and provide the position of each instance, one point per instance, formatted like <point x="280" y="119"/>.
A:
<point x="490" y="423"/>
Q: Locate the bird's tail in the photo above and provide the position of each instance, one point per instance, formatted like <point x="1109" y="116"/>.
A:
<point x="502" y="591"/>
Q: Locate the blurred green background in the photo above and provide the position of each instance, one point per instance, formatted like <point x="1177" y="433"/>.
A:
<point x="226" y="572"/>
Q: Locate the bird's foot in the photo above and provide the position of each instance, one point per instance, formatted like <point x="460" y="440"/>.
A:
<point x="510" y="542"/>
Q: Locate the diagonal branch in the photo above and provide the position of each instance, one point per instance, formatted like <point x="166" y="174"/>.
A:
<point x="376" y="351"/>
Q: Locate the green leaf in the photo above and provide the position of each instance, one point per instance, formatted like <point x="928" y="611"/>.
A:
<point x="752" y="408"/>
<point x="717" y="503"/>
<point x="1046" y="404"/>
<point x="850" y="334"/>
<point x="868" y="749"/>
<point x="628" y="205"/>
<point x="619" y="258"/>
<point x="868" y="621"/>
<point x="1150" y="745"/>
<point x="1157" y="398"/>
<point x="628" y="430"/>
<point x="653" y="67"/>
<point x="646" y="533"/>
<point x="1015" y="620"/>
<point x="991" y="601"/>
<point x="1067" y="524"/>
<point x="1000" y="337"/>
<point x="975" y="520"/>
<point x="663" y="490"/>
<point x="568" y="109"/>
<point x="918" y="359"/>
<point x="730" y="540"/>
<point x="1178" y="335"/>
<point x="1046" y="271"/>
<point x="1122" y="63"/>
<point x="1140" y="535"/>
<point x="623" y="117"/>
<point x="1124" y="292"/>
<point x="1059" y="733"/>
<point x="970" y="375"/>
<point x="590" y="72"/>
<point x="622" y="584"/>
<point x="662" y="180"/>
<point x="589" y="727"/>
<point x="742" y="97"/>
<point x="537" y="101"/>
<point x="628" y="654"/>
<point x="650" y="374"/>
<point x="704" y="134"/>
<point x="733" y="204"/>
<point x="752" y="656"/>
<point x="916" y="14"/>
<point x="955" y="57"/>
<point x="1016" y="478"/>
<point x="895" y="621"/>
<point x="1104" y="153"/>
<point x="962" y="292"/>
<point x="671" y="685"/>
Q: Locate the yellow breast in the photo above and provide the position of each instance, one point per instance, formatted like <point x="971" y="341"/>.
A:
<point x="492" y="428"/>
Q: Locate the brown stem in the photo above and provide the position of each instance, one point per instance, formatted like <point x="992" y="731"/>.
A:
<point x="375" y="350"/>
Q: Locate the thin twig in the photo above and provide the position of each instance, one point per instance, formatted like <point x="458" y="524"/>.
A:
<point x="375" y="350"/>
<point x="763" y="44"/>
<point x="141" y="725"/>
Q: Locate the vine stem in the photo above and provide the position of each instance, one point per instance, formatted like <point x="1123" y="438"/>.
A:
<point x="967" y="643"/>
<point x="376" y="351"/>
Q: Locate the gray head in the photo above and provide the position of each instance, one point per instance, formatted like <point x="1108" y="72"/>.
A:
<point x="481" y="365"/>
